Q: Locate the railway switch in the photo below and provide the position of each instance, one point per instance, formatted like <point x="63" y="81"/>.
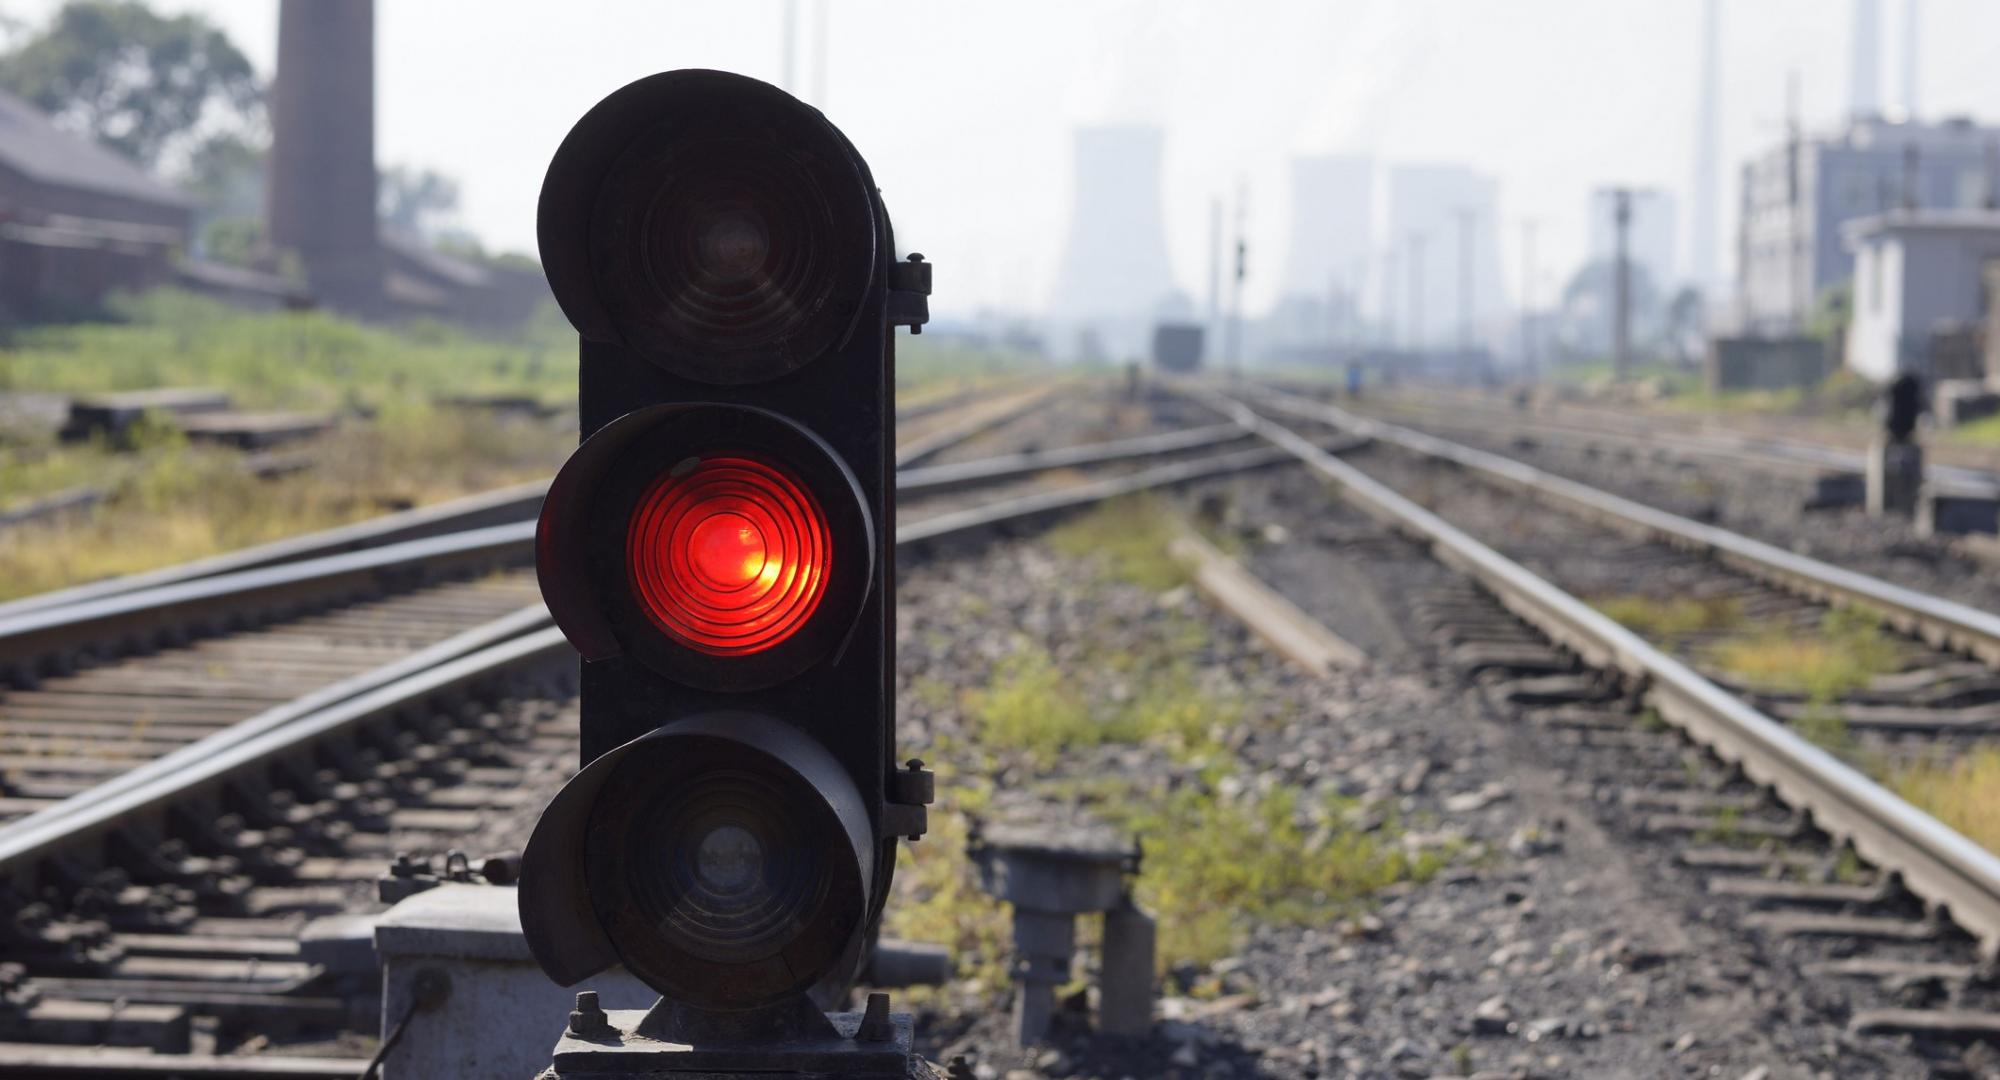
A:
<point x="717" y="550"/>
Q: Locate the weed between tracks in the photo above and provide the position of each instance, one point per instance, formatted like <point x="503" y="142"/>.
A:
<point x="1672" y="618"/>
<point x="1963" y="793"/>
<point x="1130" y="537"/>
<point x="1146" y="736"/>
<point x="1848" y="649"/>
<point x="1840" y="656"/>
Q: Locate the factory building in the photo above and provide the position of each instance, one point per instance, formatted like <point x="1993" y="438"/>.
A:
<point x="1798" y="196"/>
<point x="77" y="221"/>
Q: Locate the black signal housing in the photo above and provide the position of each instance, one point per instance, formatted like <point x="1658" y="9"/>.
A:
<point x="728" y="264"/>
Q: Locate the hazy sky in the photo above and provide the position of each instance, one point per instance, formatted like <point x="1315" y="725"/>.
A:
<point x="965" y="110"/>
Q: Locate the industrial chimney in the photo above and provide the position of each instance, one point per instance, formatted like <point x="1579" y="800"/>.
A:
<point x="321" y="195"/>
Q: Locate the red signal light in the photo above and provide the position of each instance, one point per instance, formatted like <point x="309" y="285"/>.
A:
<point x="728" y="556"/>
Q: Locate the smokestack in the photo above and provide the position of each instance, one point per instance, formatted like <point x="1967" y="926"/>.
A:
<point x="321" y="198"/>
<point x="1910" y="42"/>
<point x="1702" y="251"/>
<point x="1864" y="64"/>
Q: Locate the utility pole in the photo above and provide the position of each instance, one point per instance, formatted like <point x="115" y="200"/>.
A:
<point x="1528" y="359"/>
<point x="1621" y="310"/>
<point x="1796" y="243"/>
<point x="1215" y="274"/>
<point x="1467" y="215"/>
<point x="1391" y="318"/>
<point x="1236" y="288"/>
<point x="1416" y="291"/>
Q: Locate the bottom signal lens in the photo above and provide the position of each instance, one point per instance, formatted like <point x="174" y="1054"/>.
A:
<point x="728" y="556"/>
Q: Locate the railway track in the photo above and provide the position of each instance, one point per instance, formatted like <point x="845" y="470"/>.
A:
<point x="158" y="907"/>
<point x="1831" y="474"/>
<point x="165" y="915"/>
<point x="948" y="421"/>
<point x="1821" y="851"/>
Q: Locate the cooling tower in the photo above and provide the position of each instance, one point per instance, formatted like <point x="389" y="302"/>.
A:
<point x="1114" y="264"/>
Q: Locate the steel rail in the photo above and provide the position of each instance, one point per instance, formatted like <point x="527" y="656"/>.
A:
<point x="1046" y="502"/>
<point x="1772" y="451"/>
<point x="527" y="620"/>
<point x="927" y="478"/>
<point x="31" y="637"/>
<point x="1945" y="623"/>
<point x="978" y="421"/>
<point x="28" y="839"/>
<point x="30" y="633"/>
<point x="518" y="502"/>
<point x="498" y="507"/>
<point x="523" y="638"/>
<point x="501" y="506"/>
<point x="1954" y="876"/>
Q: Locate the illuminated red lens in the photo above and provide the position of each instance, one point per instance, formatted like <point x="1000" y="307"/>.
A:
<point x="728" y="557"/>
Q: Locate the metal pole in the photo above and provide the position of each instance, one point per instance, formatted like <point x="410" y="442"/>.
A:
<point x="1416" y="291"/>
<point x="1527" y="303"/>
<point x="1465" y="240"/>
<point x="1621" y="312"/>
<point x="1215" y="276"/>
<point x="1236" y="288"/>
<point x="1390" y="319"/>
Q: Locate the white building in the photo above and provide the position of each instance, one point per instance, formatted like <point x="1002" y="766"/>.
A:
<point x="1916" y="272"/>
<point x="1798" y="195"/>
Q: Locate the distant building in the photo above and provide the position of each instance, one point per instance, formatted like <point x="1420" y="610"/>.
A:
<point x="1115" y="273"/>
<point x="1797" y="196"/>
<point x="77" y="221"/>
<point x="1650" y="237"/>
<point x="1920" y="277"/>
<point x="1429" y="205"/>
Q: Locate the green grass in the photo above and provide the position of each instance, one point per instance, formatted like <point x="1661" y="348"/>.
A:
<point x="296" y="360"/>
<point x="1963" y="793"/>
<point x="173" y="501"/>
<point x="938" y="896"/>
<point x="1983" y="432"/>
<point x="927" y="361"/>
<point x="1672" y="617"/>
<point x="1848" y="649"/>
<point x="1031" y="706"/>
<point x="1129" y="536"/>
<point x="1215" y="866"/>
<point x="1678" y="380"/>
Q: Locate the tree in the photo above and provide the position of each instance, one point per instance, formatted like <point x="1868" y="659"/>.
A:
<point x="139" y="82"/>
<point x="226" y="172"/>
<point x="1686" y="323"/>
<point x="415" y="202"/>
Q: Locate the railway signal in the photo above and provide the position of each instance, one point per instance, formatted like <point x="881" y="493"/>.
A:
<point x="718" y="550"/>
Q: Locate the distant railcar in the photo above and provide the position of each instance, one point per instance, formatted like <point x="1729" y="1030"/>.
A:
<point x="1177" y="347"/>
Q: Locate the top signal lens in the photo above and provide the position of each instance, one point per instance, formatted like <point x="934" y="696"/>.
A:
<point x="729" y="555"/>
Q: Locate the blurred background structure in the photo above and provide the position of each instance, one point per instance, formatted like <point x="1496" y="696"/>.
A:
<point x="1400" y="185"/>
